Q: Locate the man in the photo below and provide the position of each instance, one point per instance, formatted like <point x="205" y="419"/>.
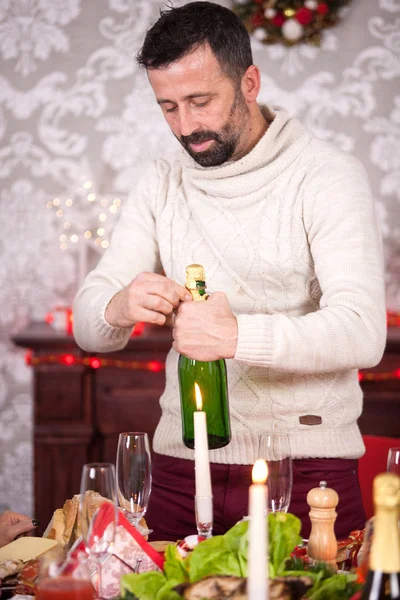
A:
<point x="284" y="225"/>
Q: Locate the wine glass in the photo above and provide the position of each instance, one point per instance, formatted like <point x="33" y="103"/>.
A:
<point x="98" y="512"/>
<point x="393" y="461"/>
<point x="275" y="450"/>
<point x="62" y="575"/>
<point x="134" y="476"/>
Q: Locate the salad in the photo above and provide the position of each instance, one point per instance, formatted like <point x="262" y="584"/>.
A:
<point x="226" y="555"/>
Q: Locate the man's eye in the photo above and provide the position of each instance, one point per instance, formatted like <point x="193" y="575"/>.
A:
<point x="170" y="110"/>
<point x="201" y="104"/>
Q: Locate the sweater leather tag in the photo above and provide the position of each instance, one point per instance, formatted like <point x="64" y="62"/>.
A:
<point x="310" y="420"/>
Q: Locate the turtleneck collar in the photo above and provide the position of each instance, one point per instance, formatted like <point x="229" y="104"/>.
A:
<point x="280" y="145"/>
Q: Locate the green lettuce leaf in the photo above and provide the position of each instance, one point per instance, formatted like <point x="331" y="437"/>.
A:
<point x="167" y="592"/>
<point x="234" y="536"/>
<point x="335" y="587"/>
<point x="284" y="536"/>
<point x="212" y="557"/>
<point x="174" y="567"/>
<point x="143" y="585"/>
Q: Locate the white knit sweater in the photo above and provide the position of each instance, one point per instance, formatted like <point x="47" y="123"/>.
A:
<point x="289" y="233"/>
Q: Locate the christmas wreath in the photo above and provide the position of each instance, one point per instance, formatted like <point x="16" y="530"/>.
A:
<point x="288" y="21"/>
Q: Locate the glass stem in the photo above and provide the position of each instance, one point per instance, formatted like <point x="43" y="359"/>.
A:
<point x="99" y="578"/>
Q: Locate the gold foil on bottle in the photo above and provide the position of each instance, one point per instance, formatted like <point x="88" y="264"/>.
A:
<point x="195" y="281"/>
<point x="386" y="491"/>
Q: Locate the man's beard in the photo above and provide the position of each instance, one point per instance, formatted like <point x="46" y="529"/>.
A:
<point x="226" y="140"/>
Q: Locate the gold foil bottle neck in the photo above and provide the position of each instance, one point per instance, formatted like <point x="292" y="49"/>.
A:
<point x="196" y="282"/>
<point x="386" y="491"/>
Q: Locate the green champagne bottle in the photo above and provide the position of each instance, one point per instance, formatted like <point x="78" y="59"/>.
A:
<point x="383" y="579"/>
<point x="211" y="379"/>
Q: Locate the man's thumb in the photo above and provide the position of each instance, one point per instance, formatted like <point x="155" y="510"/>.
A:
<point x="218" y="297"/>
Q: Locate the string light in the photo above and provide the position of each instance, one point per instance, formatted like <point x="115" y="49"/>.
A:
<point x="93" y="362"/>
<point x="153" y="365"/>
<point x="79" y="214"/>
<point x="393" y="319"/>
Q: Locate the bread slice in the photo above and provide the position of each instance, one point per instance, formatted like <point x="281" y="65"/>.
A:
<point x="55" y="529"/>
<point x="66" y="524"/>
<point x="70" y="510"/>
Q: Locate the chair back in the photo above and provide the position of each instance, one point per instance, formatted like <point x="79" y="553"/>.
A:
<point x="373" y="462"/>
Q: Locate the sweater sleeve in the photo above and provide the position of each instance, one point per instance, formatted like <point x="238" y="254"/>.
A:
<point x="133" y="249"/>
<point x="349" y="329"/>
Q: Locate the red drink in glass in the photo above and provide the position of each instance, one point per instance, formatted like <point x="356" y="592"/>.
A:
<point x="65" y="588"/>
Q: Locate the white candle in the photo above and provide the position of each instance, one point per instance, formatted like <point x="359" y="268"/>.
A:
<point x="257" y="583"/>
<point x="201" y="462"/>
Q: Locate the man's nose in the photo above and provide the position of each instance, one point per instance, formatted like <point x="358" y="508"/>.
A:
<point x="187" y="123"/>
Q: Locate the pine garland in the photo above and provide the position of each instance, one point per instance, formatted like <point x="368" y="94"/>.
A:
<point x="288" y="21"/>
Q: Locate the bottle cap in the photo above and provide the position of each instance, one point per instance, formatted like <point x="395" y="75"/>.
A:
<point x="386" y="490"/>
<point x="194" y="275"/>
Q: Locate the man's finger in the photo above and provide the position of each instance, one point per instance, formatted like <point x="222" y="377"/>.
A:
<point x="21" y="527"/>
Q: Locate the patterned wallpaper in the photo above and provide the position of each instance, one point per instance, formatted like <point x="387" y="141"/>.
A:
<point x="78" y="121"/>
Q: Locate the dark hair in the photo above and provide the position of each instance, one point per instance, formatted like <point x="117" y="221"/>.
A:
<point x="182" y="30"/>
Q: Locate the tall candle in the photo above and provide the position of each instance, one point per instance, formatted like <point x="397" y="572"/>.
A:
<point x="201" y="462"/>
<point x="257" y="583"/>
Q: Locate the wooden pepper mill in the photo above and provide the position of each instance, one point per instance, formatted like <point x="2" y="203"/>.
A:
<point x="322" y="544"/>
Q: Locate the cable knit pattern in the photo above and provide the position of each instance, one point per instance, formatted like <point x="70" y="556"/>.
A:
<point x="289" y="233"/>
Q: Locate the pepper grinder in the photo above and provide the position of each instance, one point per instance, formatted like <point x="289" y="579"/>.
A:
<point x="322" y="544"/>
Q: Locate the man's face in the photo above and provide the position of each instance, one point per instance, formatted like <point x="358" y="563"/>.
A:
<point x="205" y="112"/>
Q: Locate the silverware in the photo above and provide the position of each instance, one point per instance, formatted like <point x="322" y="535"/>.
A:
<point x="137" y="565"/>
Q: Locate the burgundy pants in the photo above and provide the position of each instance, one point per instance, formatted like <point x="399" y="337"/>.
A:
<point x="171" y="508"/>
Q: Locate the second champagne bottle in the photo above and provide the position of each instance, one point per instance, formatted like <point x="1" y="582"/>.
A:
<point x="211" y="379"/>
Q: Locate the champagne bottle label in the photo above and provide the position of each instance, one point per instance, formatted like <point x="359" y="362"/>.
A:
<point x="211" y="379"/>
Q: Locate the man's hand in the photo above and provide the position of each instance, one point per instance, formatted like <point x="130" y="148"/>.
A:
<point x="13" y="525"/>
<point x="149" y="298"/>
<point x="206" y="330"/>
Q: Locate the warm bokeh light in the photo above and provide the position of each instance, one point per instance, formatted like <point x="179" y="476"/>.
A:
<point x="199" y="400"/>
<point x="260" y="471"/>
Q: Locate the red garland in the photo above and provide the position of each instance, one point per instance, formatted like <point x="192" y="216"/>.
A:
<point x="322" y="9"/>
<point x="257" y="19"/>
<point x="278" y="20"/>
<point x="256" y="15"/>
<point x="304" y="15"/>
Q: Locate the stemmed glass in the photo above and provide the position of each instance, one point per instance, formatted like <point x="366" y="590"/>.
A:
<point x="98" y="527"/>
<point x="134" y="476"/>
<point x="62" y="575"/>
<point x="275" y="450"/>
<point x="393" y="461"/>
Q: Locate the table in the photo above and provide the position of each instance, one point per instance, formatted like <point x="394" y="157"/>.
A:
<point x="79" y="410"/>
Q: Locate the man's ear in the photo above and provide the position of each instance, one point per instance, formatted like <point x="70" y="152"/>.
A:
<point x="251" y="83"/>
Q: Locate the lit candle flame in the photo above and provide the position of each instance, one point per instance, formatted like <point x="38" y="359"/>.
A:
<point x="260" y="471"/>
<point x="199" y="401"/>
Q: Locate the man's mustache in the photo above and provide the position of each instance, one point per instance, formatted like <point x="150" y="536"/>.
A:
<point x="200" y="136"/>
